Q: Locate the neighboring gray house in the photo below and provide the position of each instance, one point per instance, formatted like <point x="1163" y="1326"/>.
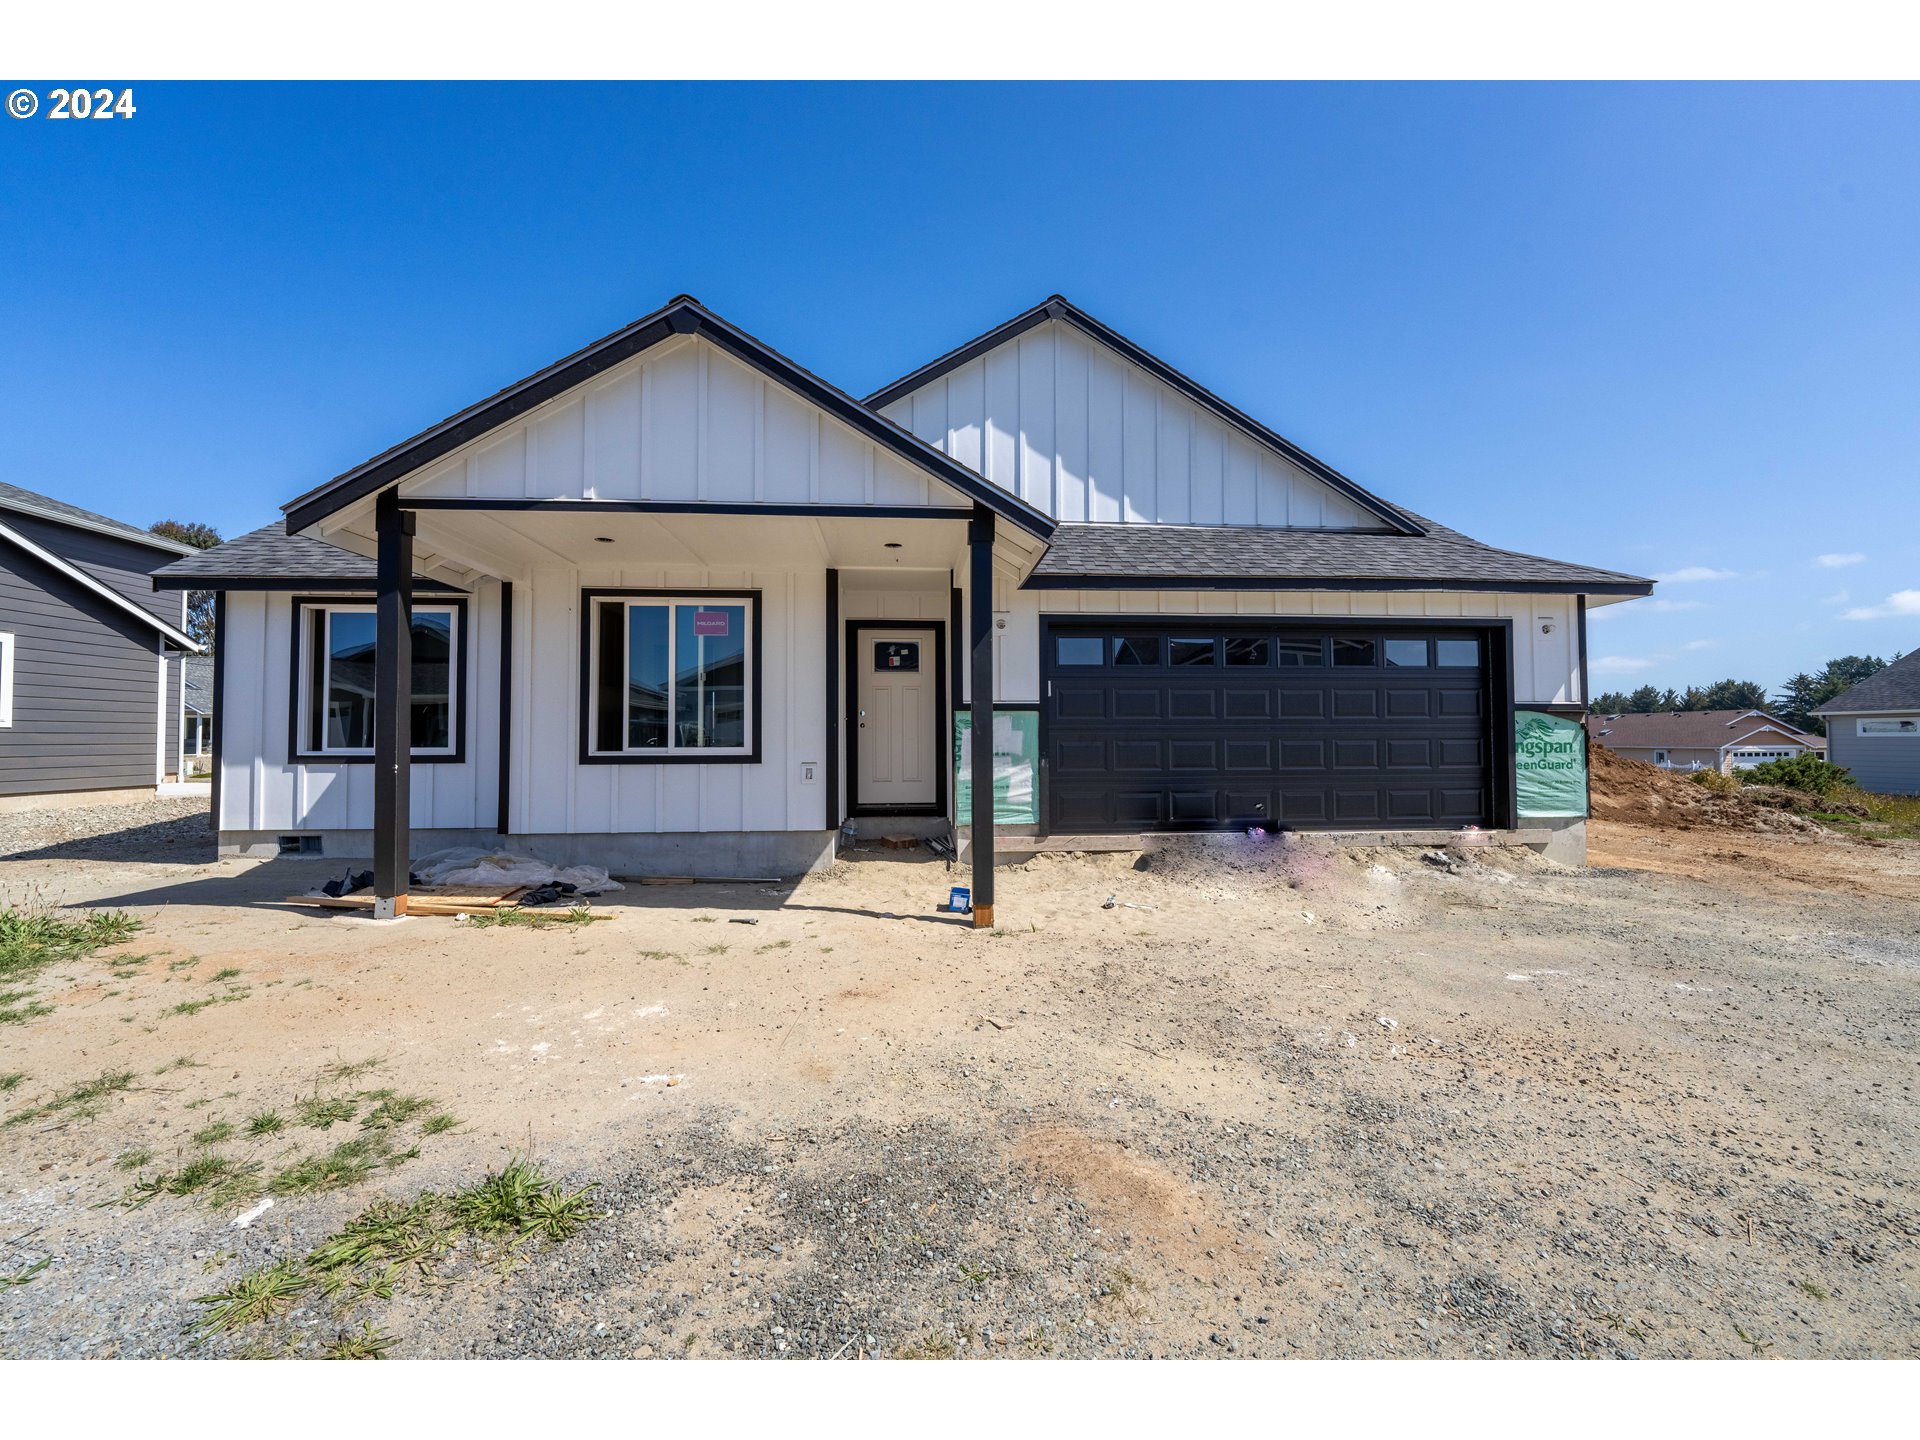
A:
<point x="196" y="735"/>
<point x="90" y="673"/>
<point x="1873" y="729"/>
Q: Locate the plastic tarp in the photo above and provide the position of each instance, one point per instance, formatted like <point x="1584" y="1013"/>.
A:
<point x="489" y="869"/>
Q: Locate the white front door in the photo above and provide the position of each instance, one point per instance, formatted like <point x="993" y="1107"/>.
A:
<point x="894" y="717"/>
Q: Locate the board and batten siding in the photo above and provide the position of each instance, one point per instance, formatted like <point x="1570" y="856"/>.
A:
<point x="262" y="788"/>
<point x="1086" y="435"/>
<point x="1546" y="664"/>
<point x="683" y="421"/>
<point x="552" y="792"/>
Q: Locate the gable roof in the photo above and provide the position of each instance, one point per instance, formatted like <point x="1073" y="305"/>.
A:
<point x="1229" y="557"/>
<point x="98" y="590"/>
<point x="683" y="315"/>
<point x="1058" y="307"/>
<point x="1896" y="688"/>
<point x="45" y="507"/>
<point x="1689" y="729"/>
<point x="271" y="559"/>
<point x="196" y="684"/>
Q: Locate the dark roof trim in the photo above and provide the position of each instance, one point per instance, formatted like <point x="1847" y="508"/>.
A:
<point x="59" y="512"/>
<point x="680" y="316"/>
<point x="1316" y="582"/>
<point x="1058" y="307"/>
<point x="690" y="507"/>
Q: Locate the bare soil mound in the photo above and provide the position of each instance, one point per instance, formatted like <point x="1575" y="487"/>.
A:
<point x="1636" y="793"/>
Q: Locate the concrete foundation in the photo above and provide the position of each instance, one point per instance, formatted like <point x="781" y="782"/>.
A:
<point x="733" y="855"/>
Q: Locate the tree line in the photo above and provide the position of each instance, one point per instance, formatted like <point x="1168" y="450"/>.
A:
<point x="1798" y="698"/>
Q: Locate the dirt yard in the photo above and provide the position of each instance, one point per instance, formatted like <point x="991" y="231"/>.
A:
<point x="1277" y="1101"/>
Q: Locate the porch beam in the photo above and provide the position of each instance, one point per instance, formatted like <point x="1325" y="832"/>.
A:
<point x="980" y="634"/>
<point x="392" y="704"/>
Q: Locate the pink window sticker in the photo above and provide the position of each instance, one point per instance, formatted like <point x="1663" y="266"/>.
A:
<point x="710" y="622"/>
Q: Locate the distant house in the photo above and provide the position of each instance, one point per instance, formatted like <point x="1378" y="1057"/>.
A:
<point x="1723" y="740"/>
<point x="1874" y="728"/>
<point x="196" y="733"/>
<point x="90" y="672"/>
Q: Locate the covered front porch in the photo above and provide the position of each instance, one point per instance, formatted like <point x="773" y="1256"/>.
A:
<point x="692" y="687"/>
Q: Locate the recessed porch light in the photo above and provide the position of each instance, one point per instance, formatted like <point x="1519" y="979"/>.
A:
<point x="893" y="544"/>
<point x="604" y="539"/>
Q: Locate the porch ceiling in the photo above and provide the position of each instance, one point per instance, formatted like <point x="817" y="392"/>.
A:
<point x="508" y="543"/>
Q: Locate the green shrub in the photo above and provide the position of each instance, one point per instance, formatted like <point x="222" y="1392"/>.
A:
<point x="1713" y="780"/>
<point x="1802" y="772"/>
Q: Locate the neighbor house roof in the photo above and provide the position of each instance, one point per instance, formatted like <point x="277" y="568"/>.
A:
<point x="271" y="559"/>
<point x="1689" y="729"/>
<point x="45" y="507"/>
<point x="683" y="315"/>
<point x="1058" y="307"/>
<point x="1893" y="690"/>
<point x="196" y="684"/>
<point x="1248" y="557"/>
<point x="101" y="591"/>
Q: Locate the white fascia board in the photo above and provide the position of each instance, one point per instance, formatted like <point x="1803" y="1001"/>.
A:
<point x="86" y="581"/>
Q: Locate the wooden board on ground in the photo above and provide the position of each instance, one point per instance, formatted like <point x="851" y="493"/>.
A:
<point x="422" y="900"/>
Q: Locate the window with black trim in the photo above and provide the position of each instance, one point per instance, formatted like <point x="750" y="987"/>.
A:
<point x="335" y="679"/>
<point x="671" y="676"/>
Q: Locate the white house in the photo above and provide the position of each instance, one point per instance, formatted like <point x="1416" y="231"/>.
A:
<point x="680" y="606"/>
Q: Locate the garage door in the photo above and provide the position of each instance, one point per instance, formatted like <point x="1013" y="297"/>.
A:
<point x="1198" y="727"/>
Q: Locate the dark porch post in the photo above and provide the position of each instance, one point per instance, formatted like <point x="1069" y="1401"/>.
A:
<point x="980" y="628"/>
<point x="392" y="705"/>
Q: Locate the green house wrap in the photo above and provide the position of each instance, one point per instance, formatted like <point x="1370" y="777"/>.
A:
<point x="1016" y="767"/>
<point x="1550" y="765"/>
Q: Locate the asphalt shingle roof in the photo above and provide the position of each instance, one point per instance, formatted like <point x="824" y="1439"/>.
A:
<point x="1687" y="729"/>
<point x="45" y="507"/>
<point x="271" y="559"/>
<point x="1182" y="553"/>
<point x="1895" y="688"/>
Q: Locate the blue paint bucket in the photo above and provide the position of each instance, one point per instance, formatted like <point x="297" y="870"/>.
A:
<point x="960" y="901"/>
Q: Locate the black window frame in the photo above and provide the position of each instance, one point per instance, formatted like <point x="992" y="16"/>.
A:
<point x="300" y="663"/>
<point x="590" y="600"/>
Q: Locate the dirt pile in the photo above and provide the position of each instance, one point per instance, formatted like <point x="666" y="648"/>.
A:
<point x="1636" y="793"/>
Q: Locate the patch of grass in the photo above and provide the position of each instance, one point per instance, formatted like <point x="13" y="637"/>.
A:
<point x="932" y="1346"/>
<point x="186" y="964"/>
<point x="184" y="1062"/>
<point x="438" y="1124"/>
<point x="11" y="1014"/>
<point x="520" y="1201"/>
<point x="230" y="973"/>
<point x="220" y="1178"/>
<point x="1757" y="1347"/>
<point x="348" y="1163"/>
<point x="394" y="1110"/>
<point x="267" y="1122"/>
<point x="353" y="1069"/>
<point x="714" y="950"/>
<point x="83" y="1101"/>
<point x="11" y="1080"/>
<point x="25" y="1277"/>
<point x="367" y="1343"/>
<point x="973" y="1275"/>
<point x="216" y="1133"/>
<point x="534" y="919"/>
<point x="319" y="1113"/>
<point x="137" y="1158"/>
<point x="656" y="955"/>
<point x="257" y="1295"/>
<point x="33" y="937"/>
<point x="1813" y="1291"/>
<point x="194" y="1007"/>
<point x="773" y="945"/>
<point x="376" y="1250"/>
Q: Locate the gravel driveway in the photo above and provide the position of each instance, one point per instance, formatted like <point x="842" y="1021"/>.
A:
<point x="1275" y="1102"/>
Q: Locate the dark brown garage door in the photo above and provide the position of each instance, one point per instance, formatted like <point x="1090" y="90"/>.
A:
<point x="1205" y="726"/>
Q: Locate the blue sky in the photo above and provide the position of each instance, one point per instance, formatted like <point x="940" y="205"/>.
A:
<point x="1670" y="330"/>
